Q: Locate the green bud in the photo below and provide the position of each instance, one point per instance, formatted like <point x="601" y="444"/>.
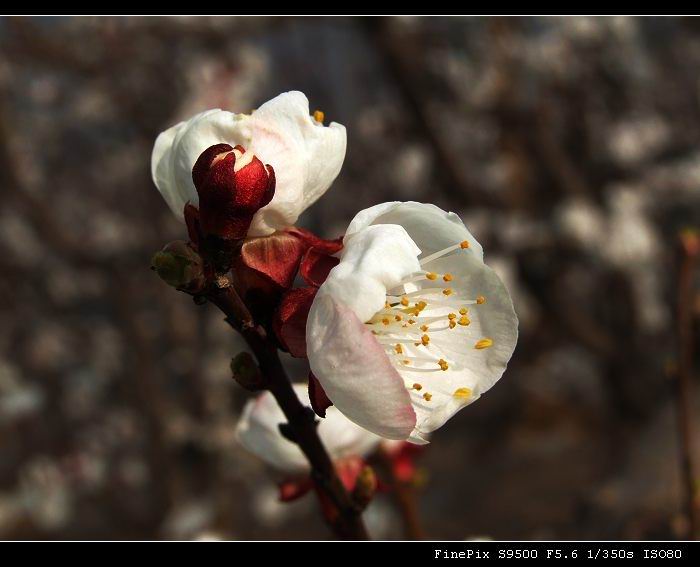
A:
<point x="180" y="266"/>
<point x="365" y="487"/>
<point x="246" y="372"/>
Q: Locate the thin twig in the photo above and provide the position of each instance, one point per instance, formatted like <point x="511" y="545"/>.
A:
<point x="345" y="519"/>
<point x="690" y="248"/>
<point x="404" y="493"/>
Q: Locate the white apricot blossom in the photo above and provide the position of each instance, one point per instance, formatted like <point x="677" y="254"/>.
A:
<point x="411" y="326"/>
<point x="258" y="431"/>
<point x="305" y="154"/>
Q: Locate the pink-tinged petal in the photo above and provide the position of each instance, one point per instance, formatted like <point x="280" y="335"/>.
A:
<point x="320" y="401"/>
<point x="355" y="372"/>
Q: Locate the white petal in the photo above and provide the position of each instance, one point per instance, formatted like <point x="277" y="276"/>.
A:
<point x="475" y="369"/>
<point x="305" y="155"/>
<point x="374" y="259"/>
<point x="431" y="228"/>
<point x="258" y="431"/>
<point x="372" y="262"/>
<point x="176" y="150"/>
<point x="355" y="372"/>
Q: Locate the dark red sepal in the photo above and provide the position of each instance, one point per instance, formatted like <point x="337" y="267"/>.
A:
<point x="289" y="322"/>
<point x="194" y="229"/>
<point x="294" y="488"/>
<point x="317" y="395"/>
<point x="274" y="258"/>
<point x="316" y="265"/>
<point x="228" y="199"/>
<point x="313" y="241"/>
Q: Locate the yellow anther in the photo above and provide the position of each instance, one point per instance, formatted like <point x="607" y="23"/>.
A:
<point x="398" y="317"/>
<point x="447" y="277"/>
<point x="424" y="328"/>
<point x="417" y="387"/>
<point x="404" y="301"/>
<point x="398" y="348"/>
<point x="319" y="116"/>
<point x="427" y="397"/>
<point x="464" y="244"/>
<point x="452" y="316"/>
<point x="411" y="321"/>
<point x="443" y="364"/>
<point x="386" y="321"/>
<point x="480" y="299"/>
<point x="452" y="324"/>
<point x="464" y="321"/>
<point x="406" y="362"/>
<point x="425" y="339"/>
<point x="431" y="275"/>
<point x="463" y="393"/>
<point x="387" y="305"/>
<point x="483" y="343"/>
<point x="447" y="291"/>
<point x="463" y="311"/>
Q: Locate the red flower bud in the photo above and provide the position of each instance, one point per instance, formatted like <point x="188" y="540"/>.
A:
<point x="232" y="186"/>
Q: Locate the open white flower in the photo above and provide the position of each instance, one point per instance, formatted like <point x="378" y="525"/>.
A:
<point x="305" y="154"/>
<point x="258" y="431"/>
<point x="411" y="326"/>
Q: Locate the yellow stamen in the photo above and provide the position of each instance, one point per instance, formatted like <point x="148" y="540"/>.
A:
<point x="463" y="311"/>
<point x="431" y="275"/>
<point x="425" y="339"/>
<point x="451" y="316"/>
<point x="452" y="324"/>
<point x="463" y="393"/>
<point x="319" y="116"/>
<point x="417" y="387"/>
<point x="399" y="349"/>
<point x="398" y="317"/>
<point x="447" y="291"/>
<point x="480" y="299"/>
<point x="447" y="277"/>
<point x="427" y="397"/>
<point x="387" y="305"/>
<point x="443" y="364"/>
<point x="424" y="328"/>
<point x="483" y="343"/>
<point x="411" y="321"/>
<point x="404" y="301"/>
<point x="406" y="362"/>
<point x="464" y="244"/>
<point x="385" y="321"/>
<point x="464" y="321"/>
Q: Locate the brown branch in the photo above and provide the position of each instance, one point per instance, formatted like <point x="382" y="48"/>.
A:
<point x="399" y="58"/>
<point x="690" y="248"/>
<point x="345" y="518"/>
<point x="404" y="494"/>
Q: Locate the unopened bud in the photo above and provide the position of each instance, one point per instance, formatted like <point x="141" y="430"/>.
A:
<point x="232" y="185"/>
<point x="246" y="372"/>
<point x="180" y="266"/>
<point x="365" y="487"/>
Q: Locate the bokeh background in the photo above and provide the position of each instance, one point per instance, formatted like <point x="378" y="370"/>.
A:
<point x="570" y="146"/>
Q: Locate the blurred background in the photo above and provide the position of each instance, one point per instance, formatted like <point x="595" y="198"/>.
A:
<point x="571" y="148"/>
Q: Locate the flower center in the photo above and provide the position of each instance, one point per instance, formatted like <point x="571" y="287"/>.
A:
<point x="411" y="324"/>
